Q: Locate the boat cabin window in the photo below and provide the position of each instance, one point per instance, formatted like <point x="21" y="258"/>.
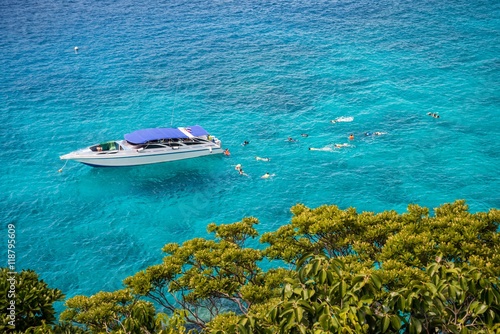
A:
<point x="107" y="146"/>
<point x="151" y="146"/>
<point x="194" y="141"/>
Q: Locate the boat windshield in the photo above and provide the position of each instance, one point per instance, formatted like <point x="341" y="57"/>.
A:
<point x="107" y="146"/>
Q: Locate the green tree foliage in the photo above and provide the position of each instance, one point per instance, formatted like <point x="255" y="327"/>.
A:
<point x="112" y="312"/>
<point x="353" y="273"/>
<point x="209" y="277"/>
<point x="455" y="299"/>
<point x="453" y="233"/>
<point x="326" y="298"/>
<point x="33" y="301"/>
<point x="331" y="231"/>
<point x="403" y="243"/>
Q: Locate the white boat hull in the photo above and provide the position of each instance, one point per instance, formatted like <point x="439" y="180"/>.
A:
<point x="138" y="157"/>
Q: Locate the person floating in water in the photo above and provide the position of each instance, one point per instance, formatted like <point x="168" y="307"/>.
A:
<point x="342" y="119"/>
<point x="237" y="167"/>
<point x="304" y="135"/>
<point x="245" y="143"/>
<point x="242" y="172"/>
<point x="376" y="133"/>
<point x="266" y="176"/>
<point x="433" y="114"/>
<point x="325" y="149"/>
<point x="351" y="136"/>
<point x="226" y="152"/>
<point x="262" y="159"/>
<point x="291" y="140"/>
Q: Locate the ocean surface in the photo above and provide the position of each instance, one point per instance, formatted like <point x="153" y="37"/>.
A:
<point x="260" y="71"/>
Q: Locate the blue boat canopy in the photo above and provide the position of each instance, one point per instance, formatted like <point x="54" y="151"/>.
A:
<point x="146" y="135"/>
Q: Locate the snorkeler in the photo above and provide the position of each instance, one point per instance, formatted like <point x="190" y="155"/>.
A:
<point x="262" y="159"/>
<point x="245" y="143"/>
<point x="325" y="149"/>
<point x="342" y="119"/>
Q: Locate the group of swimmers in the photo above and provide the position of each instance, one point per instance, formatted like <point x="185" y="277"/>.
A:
<point x="326" y="148"/>
<point x="239" y="168"/>
<point x="344" y="119"/>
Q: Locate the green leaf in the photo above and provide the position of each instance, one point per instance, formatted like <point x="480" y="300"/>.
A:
<point x="489" y="296"/>
<point x="324" y="321"/>
<point x="342" y="288"/>
<point x="463" y="283"/>
<point x="431" y="270"/>
<point x="376" y="280"/>
<point x="357" y="279"/>
<point x="288" y="291"/>
<point x="473" y="306"/>
<point x="316" y="265"/>
<point x="299" y="313"/>
<point x="415" y="326"/>
<point x="396" y="322"/>
<point x="385" y="323"/>
<point x="322" y="276"/>
<point x="242" y="329"/>
<point x="481" y="309"/>
<point x="452" y="291"/>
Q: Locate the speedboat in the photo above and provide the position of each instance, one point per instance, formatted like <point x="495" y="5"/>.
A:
<point x="149" y="146"/>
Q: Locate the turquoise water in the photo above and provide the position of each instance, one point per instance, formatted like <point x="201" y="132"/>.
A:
<point x="245" y="70"/>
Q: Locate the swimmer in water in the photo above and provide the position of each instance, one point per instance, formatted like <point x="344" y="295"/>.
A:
<point x="304" y="135"/>
<point x="237" y="167"/>
<point x="291" y="140"/>
<point x="324" y="149"/>
<point x="242" y="172"/>
<point x="342" y="145"/>
<point x="342" y="119"/>
<point x="266" y="176"/>
<point x="245" y="143"/>
<point x="379" y="133"/>
<point x="226" y="152"/>
<point x="262" y="159"/>
<point x="351" y="137"/>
